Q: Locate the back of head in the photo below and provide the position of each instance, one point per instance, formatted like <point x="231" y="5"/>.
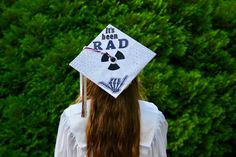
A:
<point x="113" y="128"/>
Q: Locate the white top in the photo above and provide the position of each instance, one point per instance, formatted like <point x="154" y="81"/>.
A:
<point x="71" y="137"/>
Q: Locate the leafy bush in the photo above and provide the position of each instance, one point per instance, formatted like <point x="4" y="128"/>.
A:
<point x="192" y="79"/>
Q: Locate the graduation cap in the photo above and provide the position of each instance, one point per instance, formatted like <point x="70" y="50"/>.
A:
<point x="112" y="60"/>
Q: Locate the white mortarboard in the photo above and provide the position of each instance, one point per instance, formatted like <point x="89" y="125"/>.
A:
<point x="112" y="60"/>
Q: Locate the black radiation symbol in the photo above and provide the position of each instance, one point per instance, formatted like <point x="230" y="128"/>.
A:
<point x="113" y="65"/>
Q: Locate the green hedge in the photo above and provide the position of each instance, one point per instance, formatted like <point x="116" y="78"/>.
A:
<point x="192" y="79"/>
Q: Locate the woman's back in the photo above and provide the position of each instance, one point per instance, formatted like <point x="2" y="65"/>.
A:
<point x="71" y="140"/>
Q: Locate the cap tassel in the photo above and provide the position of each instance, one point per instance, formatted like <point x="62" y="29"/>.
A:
<point x="84" y="96"/>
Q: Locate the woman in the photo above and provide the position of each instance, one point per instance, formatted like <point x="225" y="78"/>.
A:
<point x="121" y="127"/>
<point x="118" y="124"/>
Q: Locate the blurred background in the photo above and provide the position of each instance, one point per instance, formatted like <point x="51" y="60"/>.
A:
<point x="192" y="79"/>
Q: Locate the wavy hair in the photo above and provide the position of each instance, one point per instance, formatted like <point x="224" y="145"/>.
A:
<point x="113" y="127"/>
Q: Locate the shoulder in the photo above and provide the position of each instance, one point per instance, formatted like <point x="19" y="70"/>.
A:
<point x="73" y="109"/>
<point x="145" y="105"/>
<point x="152" y="121"/>
<point x="150" y="108"/>
<point x="73" y="116"/>
<point x="76" y="123"/>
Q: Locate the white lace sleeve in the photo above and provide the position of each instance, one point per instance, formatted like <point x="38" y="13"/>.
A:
<point x="159" y="143"/>
<point x="66" y="145"/>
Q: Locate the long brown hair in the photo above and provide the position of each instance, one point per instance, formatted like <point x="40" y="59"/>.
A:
<point x="113" y="127"/>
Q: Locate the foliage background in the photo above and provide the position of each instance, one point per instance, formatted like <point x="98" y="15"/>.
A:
<point x="192" y="79"/>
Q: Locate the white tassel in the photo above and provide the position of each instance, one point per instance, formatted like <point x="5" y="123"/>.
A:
<point x="84" y="96"/>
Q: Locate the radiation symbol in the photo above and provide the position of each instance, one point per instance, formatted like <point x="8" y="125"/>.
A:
<point x="113" y="66"/>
